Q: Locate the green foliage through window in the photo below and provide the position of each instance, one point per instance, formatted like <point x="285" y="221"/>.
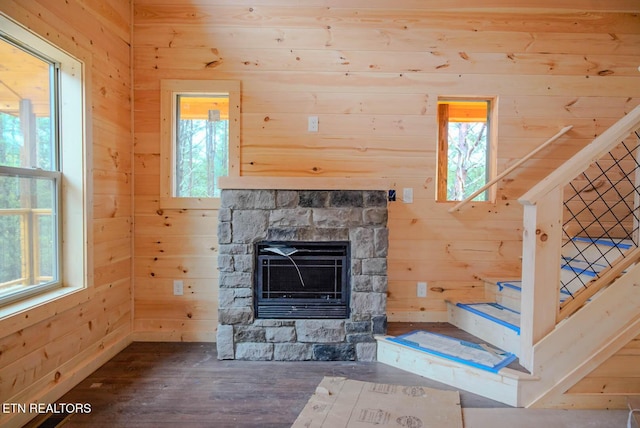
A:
<point x="467" y="160"/>
<point x="202" y="146"/>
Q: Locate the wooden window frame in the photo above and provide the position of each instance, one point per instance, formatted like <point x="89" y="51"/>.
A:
<point x="443" y="145"/>
<point x="75" y="227"/>
<point x="170" y="89"/>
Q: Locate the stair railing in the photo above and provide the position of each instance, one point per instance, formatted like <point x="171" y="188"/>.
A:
<point x="602" y="204"/>
<point x="509" y="170"/>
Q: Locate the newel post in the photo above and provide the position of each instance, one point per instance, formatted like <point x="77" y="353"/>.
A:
<point x="541" y="255"/>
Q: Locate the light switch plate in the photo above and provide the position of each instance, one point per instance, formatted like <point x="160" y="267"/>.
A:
<point x="178" y="287"/>
<point x="407" y="195"/>
<point x="422" y="289"/>
<point x="313" y="124"/>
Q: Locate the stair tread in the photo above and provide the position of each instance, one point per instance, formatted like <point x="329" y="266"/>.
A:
<point x="483" y="357"/>
<point x="448" y="329"/>
<point x="516" y="285"/>
<point x="494" y="312"/>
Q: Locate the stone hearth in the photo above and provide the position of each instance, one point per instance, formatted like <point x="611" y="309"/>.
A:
<point x="250" y="216"/>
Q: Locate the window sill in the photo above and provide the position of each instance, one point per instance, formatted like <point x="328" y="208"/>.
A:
<point x="190" y="203"/>
<point x="24" y="313"/>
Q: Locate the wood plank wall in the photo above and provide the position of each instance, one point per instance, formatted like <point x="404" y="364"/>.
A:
<point x="619" y="375"/>
<point x="54" y="346"/>
<point x="372" y="72"/>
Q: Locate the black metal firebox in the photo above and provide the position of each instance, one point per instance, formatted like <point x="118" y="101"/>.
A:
<point x="299" y="279"/>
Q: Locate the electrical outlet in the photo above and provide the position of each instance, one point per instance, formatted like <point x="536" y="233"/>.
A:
<point x="178" y="287"/>
<point x="422" y="289"/>
<point x="313" y="124"/>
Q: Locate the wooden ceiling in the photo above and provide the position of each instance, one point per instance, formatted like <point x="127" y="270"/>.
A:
<point x="23" y="77"/>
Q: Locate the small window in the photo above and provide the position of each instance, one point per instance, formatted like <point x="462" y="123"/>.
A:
<point x="200" y="140"/>
<point x="465" y="152"/>
<point x="41" y="166"/>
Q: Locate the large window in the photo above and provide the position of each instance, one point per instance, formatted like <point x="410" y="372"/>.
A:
<point x="38" y="81"/>
<point x="465" y="153"/>
<point x="200" y="140"/>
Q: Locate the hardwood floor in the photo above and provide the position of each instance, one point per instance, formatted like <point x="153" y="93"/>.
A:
<point x="184" y="385"/>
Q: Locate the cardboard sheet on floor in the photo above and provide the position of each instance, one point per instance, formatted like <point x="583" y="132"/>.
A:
<point x="343" y="403"/>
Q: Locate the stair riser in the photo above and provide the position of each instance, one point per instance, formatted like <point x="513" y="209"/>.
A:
<point x="485" y="329"/>
<point x="507" y="297"/>
<point x="491" y="385"/>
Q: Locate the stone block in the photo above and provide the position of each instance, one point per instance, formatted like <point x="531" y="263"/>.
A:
<point x="359" y="338"/>
<point x="235" y="249"/>
<point x="249" y="334"/>
<point x="379" y="283"/>
<point x="379" y="324"/>
<point x="357" y="327"/>
<point x="235" y="298"/>
<point x="235" y="316"/>
<point x="362" y="245"/>
<point x="286" y="198"/>
<point x="356" y="267"/>
<point x="248" y="199"/>
<point x="243" y="263"/>
<point x="374" y="266"/>
<point x="337" y="217"/>
<point x="381" y="242"/>
<point x="375" y="216"/>
<point x="323" y="234"/>
<point x="367" y="351"/>
<point x="224" y="342"/>
<point x="224" y="233"/>
<point x="249" y="225"/>
<point x="225" y="263"/>
<point x="334" y="352"/>
<point x="297" y="217"/>
<point x="280" y="334"/>
<point x="375" y="198"/>
<point x="235" y="280"/>
<point x="320" y="331"/>
<point x="368" y="303"/>
<point x="346" y="198"/>
<point x="361" y="283"/>
<point x="226" y="297"/>
<point x="292" y="352"/>
<point x="282" y="234"/>
<point x="224" y="215"/>
<point x="313" y="198"/>
<point x="254" y="351"/>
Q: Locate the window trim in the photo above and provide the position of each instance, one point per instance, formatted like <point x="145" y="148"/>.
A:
<point x="443" y="147"/>
<point x="75" y="174"/>
<point x="169" y="90"/>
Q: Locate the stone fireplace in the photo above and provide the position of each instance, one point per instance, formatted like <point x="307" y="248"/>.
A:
<point x="249" y="217"/>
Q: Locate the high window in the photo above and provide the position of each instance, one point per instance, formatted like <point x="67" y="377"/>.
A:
<point x="41" y="166"/>
<point x="200" y="140"/>
<point x="466" y="160"/>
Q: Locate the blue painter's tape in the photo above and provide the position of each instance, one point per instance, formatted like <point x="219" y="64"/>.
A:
<point x="578" y="271"/>
<point x="508" y="357"/>
<point x="510" y="284"/>
<point x="470" y="308"/>
<point x="604" y="242"/>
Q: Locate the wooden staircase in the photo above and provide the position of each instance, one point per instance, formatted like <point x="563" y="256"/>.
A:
<point x="496" y="321"/>
<point x="576" y="307"/>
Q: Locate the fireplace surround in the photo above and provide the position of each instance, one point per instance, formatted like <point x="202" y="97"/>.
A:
<point x="302" y="280"/>
<point x="250" y="219"/>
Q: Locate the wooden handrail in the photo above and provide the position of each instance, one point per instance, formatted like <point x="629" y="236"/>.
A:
<point x="579" y="163"/>
<point x="510" y="169"/>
